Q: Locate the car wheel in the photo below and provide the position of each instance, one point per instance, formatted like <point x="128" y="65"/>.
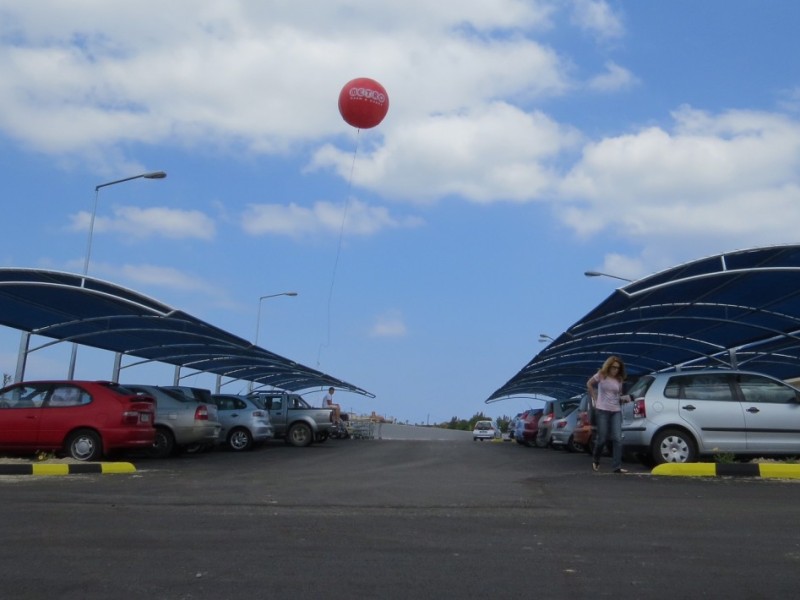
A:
<point x="164" y="444"/>
<point x="573" y="446"/>
<point x="240" y="439"/>
<point x="299" y="435"/>
<point x="84" y="445"/>
<point x="673" y="446"/>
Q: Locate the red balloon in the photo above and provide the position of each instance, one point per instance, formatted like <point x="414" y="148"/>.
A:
<point x="363" y="103"/>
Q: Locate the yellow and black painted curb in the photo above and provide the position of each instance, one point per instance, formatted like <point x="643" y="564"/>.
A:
<point x="67" y="468"/>
<point x="764" y="470"/>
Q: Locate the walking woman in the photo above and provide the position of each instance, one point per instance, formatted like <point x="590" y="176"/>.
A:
<point x="605" y="388"/>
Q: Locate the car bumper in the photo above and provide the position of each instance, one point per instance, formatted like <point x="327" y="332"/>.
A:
<point x="263" y="433"/>
<point x="583" y="435"/>
<point x="119" y="439"/>
<point x="198" y="434"/>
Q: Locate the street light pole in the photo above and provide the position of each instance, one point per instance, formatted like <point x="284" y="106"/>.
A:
<point x="150" y="175"/>
<point x="258" y="319"/>
<point x="543" y="337"/>
<point x="153" y="175"/>
<point x="599" y="274"/>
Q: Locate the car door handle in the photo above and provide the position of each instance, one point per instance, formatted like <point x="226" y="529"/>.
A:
<point x="753" y="410"/>
<point x="690" y="407"/>
<point x="234" y="414"/>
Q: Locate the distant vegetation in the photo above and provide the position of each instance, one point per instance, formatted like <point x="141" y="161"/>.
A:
<point x="469" y="424"/>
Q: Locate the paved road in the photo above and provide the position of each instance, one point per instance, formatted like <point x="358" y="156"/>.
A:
<point x="395" y="519"/>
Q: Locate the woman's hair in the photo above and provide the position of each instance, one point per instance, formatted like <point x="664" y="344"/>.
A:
<point x="606" y="368"/>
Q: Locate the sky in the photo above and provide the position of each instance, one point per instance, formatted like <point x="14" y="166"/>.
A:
<point x="526" y="142"/>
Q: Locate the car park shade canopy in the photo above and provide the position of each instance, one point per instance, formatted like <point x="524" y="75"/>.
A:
<point x="738" y="309"/>
<point x="88" y="311"/>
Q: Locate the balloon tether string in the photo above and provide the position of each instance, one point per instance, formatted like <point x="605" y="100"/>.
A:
<point x="339" y="247"/>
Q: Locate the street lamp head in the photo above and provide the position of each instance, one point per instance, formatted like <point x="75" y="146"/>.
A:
<point x="276" y="295"/>
<point x="601" y="274"/>
<point x="155" y="175"/>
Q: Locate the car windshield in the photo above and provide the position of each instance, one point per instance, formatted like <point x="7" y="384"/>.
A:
<point x="483" y="425"/>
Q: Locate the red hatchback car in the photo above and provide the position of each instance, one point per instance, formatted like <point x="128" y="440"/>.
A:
<point x="82" y="419"/>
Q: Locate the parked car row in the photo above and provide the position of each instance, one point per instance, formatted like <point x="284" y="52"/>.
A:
<point x="87" y="420"/>
<point x="686" y="416"/>
<point x="551" y="425"/>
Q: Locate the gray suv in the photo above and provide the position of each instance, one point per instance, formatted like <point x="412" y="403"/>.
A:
<point x="681" y="416"/>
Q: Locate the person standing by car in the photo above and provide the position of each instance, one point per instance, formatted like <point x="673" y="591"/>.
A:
<point x="605" y="388"/>
<point x="327" y="402"/>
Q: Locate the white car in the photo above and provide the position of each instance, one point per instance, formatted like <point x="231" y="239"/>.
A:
<point x="486" y="430"/>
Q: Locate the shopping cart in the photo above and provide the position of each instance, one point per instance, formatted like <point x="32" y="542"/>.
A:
<point x="361" y="429"/>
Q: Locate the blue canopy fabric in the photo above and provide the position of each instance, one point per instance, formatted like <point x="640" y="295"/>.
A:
<point x="738" y="309"/>
<point x="88" y="311"/>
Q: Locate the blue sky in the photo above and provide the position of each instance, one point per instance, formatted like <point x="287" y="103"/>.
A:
<point x="526" y="142"/>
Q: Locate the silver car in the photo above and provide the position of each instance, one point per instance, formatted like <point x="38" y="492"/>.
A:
<point x="244" y="422"/>
<point x="681" y="416"/>
<point x="561" y="429"/>
<point x="182" y="423"/>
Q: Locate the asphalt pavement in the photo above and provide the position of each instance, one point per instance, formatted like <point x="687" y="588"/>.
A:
<point x="395" y="518"/>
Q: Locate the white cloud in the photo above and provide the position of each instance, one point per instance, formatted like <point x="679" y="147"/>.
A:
<point x="714" y="182"/>
<point x="264" y="77"/>
<point x="141" y="223"/>
<point x="613" y="79"/>
<point x="389" y="324"/>
<point x="597" y="17"/>
<point x="490" y="153"/>
<point x="163" y="277"/>
<point x="294" y="220"/>
<point x="790" y="100"/>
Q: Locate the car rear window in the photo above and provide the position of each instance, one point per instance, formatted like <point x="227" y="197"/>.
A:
<point x="640" y="388"/>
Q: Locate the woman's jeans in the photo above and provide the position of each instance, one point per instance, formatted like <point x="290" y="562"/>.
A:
<point x="609" y="429"/>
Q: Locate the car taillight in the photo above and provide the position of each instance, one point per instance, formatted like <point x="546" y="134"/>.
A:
<point x="201" y="413"/>
<point x="639" y="411"/>
<point x="259" y="414"/>
<point x="137" y="417"/>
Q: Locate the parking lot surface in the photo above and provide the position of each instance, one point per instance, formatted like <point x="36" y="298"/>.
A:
<point x="396" y="519"/>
